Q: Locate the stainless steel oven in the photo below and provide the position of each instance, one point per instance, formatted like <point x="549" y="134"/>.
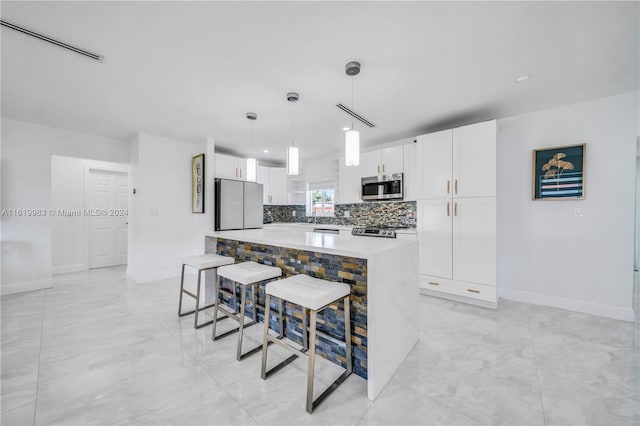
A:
<point x="386" y="187"/>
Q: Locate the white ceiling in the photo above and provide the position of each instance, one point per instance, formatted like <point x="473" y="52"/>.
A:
<point x="193" y="69"/>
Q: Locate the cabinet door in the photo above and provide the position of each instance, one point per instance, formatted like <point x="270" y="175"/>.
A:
<point x="278" y="185"/>
<point x="264" y="177"/>
<point x="474" y="240"/>
<point x="434" y="237"/>
<point x="348" y="183"/>
<point x="410" y="172"/>
<point x="225" y="167"/>
<point x="370" y="164"/>
<point x="434" y="164"/>
<point x="241" y="165"/>
<point x="391" y="160"/>
<point x="474" y="160"/>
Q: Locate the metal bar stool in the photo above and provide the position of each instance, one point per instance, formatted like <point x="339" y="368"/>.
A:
<point x="315" y="295"/>
<point x="202" y="263"/>
<point x="243" y="275"/>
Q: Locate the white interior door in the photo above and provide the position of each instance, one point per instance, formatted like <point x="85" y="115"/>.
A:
<point x="107" y="205"/>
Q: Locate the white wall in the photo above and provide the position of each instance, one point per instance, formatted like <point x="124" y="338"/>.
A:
<point x="545" y="254"/>
<point x="162" y="228"/>
<point x="70" y="234"/>
<point x="26" y="184"/>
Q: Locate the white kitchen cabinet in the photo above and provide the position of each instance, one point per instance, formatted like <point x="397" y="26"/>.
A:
<point x="382" y="162"/>
<point x="349" y="183"/>
<point x="474" y="160"/>
<point x="474" y="240"/>
<point x="435" y="159"/>
<point x="457" y="211"/>
<point x="457" y="239"/>
<point x="230" y="167"/>
<point x="435" y="242"/>
<point x="278" y="185"/>
<point x="274" y="181"/>
<point x="409" y="152"/>
<point x="458" y="162"/>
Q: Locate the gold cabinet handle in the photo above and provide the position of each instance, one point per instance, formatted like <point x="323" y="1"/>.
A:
<point x="472" y="291"/>
<point x="433" y="283"/>
<point x="378" y="168"/>
<point x="383" y="168"/>
<point x="448" y="185"/>
<point x="448" y="209"/>
<point x="455" y="186"/>
<point x="240" y="172"/>
<point x="455" y="209"/>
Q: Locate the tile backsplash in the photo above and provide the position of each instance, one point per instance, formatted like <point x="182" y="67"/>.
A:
<point x="401" y="213"/>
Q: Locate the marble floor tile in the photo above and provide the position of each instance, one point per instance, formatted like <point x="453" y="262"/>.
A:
<point x="21" y="416"/>
<point x="98" y="348"/>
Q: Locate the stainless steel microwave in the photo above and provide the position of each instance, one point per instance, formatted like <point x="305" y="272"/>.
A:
<point x="384" y="187"/>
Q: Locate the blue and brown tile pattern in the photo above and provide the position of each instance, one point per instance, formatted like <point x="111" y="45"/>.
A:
<point x="350" y="270"/>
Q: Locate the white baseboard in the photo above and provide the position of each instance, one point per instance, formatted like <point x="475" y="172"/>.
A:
<point x="615" y="312"/>
<point x="67" y="269"/>
<point x="141" y="278"/>
<point x="23" y="287"/>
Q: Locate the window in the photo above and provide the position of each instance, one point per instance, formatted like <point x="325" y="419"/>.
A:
<point x="320" y="202"/>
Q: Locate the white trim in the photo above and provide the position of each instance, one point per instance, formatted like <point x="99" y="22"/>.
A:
<point x="615" y="312"/>
<point x="25" y="286"/>
<point x="456" y="298"/>
<point x="66" y="269"/>
<point x="155" y="276"/>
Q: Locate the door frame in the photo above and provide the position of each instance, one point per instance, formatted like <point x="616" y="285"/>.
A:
<point x="96" y="166"/>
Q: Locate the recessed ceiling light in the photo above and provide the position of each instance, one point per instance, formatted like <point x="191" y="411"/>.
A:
<point x="345" y="128"/>
<point x="266" y="151"/>
<point x="522" y="78"/>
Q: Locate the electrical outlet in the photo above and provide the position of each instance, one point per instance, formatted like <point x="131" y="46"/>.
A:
<point x="577" y="212"/>
<point x="293" y="213"/>
<point x="347" y="213"/>
<point x="153" y="212"/>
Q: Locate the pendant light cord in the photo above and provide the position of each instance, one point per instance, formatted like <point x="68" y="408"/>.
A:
<point x="251" y="138"/>
<point x="352" y="107"/>
<point x="292" y="143"/>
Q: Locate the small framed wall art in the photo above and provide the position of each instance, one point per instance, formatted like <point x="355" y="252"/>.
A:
<point x="197" y="184"/>
<point x="558" y="173"/>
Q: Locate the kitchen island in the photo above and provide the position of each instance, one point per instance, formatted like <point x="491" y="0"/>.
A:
<point x="382" y="273"/>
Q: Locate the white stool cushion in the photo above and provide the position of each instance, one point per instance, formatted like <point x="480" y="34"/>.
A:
<point x="206" y="261"/>
<point x="306" y="291"/>
<point x="249" y="272"/>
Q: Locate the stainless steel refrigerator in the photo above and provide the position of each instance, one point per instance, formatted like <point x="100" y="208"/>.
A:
<point x="238" y="204"/>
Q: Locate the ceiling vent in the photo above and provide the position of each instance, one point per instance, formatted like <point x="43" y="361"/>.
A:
<point x="356" y="115"/>
<point x="59" y="43"/>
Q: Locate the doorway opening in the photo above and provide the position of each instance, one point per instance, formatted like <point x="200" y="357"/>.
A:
<point x="89" y="201"/>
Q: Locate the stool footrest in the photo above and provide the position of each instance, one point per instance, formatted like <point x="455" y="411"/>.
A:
<point x="200" y="309"/>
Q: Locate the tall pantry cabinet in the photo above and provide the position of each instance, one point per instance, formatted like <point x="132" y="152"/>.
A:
<point x="457" y="211"/>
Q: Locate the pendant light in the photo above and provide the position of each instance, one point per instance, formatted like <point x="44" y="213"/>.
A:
<point x="292" y="151"/>
<point x="252" y="163"/>
<point x="352" y="136"/>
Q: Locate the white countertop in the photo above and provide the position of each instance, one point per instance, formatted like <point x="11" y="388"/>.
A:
<point x="343" y="244"/>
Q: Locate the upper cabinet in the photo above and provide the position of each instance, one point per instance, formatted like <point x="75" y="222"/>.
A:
<point x="410" y="172"/>
<point x="474" y="160"/>
<point x="458" y="162"/>
<point x="383" y="162"/>
<point x="229" y="167"/>
<point x="274" y="185"/>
